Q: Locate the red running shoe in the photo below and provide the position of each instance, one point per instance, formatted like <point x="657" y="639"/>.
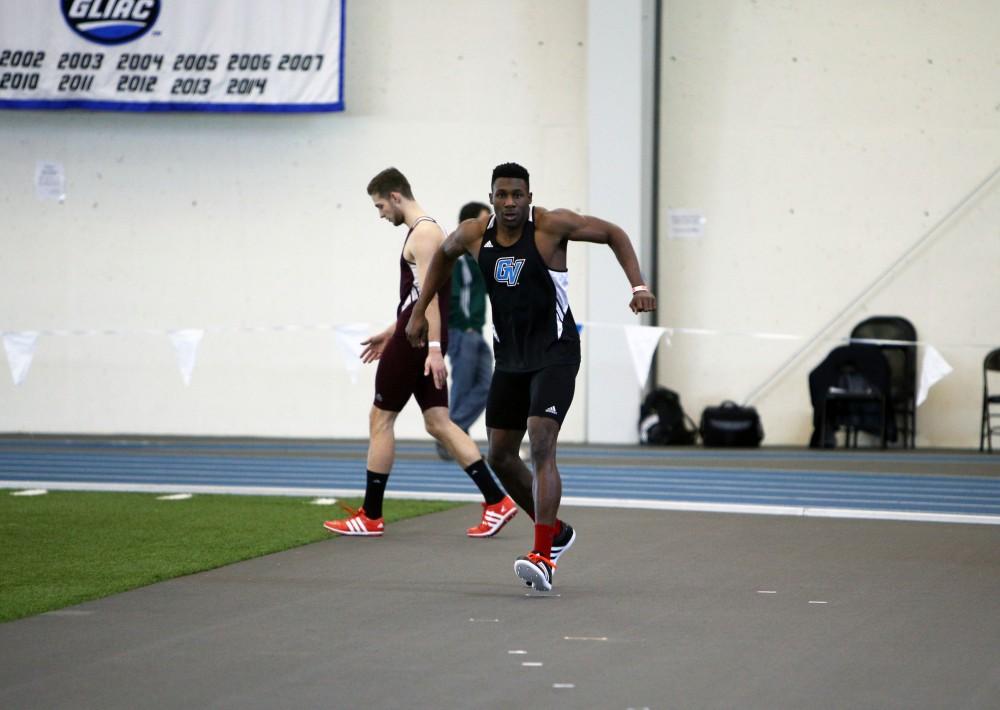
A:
<point x="357" y="524"/>
<point x="494" y="517"/>
<point x="535" y="571"/>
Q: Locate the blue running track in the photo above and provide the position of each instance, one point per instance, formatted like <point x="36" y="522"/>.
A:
<point x="779" y="482"/>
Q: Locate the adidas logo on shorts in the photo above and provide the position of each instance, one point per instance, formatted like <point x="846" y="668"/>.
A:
<point x="551" y="410"/>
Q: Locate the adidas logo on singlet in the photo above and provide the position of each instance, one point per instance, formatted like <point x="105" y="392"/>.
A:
<point x="488" y="245"/>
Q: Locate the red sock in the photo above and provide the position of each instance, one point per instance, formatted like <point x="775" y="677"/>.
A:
<point x="543" y="539"/>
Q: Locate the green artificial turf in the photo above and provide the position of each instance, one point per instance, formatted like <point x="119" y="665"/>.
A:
<point x="64" y="548"/>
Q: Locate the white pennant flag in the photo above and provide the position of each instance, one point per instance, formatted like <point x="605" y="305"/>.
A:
<point x="349" y="337"/>
<point x="642" y="342"/>
<point x="933" y="369"/>
<point x="20" y="347"/>
<point x="186" y="346"/>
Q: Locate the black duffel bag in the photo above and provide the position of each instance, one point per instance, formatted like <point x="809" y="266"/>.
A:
<point x="729" y="424"/>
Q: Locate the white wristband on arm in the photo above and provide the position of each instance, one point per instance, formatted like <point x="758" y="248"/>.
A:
<point x="434" y="344"/>
<point x="640" y="287"/>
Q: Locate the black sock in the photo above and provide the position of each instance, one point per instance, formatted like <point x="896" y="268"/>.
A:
<point x="481" y="476"/>
<point x="374" y="492"/>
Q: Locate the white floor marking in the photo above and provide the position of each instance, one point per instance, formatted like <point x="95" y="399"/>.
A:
<point x="325" y="501"/>
<point x="487" y="621"/>
<point x="517" y="652"/>
<point x="175" y="496"/>
<point x="766" y="591"/>
<point x="532" y="664"/>
<point x="30" y="492"/>
<point x="563" y="685"/>
<point x="817" y="602"/>
<point x="585" y="638"/>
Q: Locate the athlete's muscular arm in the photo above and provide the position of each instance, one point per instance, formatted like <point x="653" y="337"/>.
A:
<point x="465" y="238"/>
<point x="424" y="246"/>
<point x="558" y="226"/>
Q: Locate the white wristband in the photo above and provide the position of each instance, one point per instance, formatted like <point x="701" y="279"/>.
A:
<point x="640" y="287"/>
<point x="434" y="344"/>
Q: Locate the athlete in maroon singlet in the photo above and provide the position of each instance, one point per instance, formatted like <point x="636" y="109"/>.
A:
<point x="404" y="371"/>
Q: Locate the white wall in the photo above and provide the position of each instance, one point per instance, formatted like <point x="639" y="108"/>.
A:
<point x="224" y="221"/>
<point x="821" y="140"/>
<point x="620" y="83"/>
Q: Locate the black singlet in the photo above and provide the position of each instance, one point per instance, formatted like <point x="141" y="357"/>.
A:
<point x="533" y="326"/>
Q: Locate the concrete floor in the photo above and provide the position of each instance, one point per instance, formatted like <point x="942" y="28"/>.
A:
<point x="654" y="609"/>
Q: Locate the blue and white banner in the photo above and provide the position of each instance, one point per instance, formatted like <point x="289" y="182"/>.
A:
<point x="172" y="55"/>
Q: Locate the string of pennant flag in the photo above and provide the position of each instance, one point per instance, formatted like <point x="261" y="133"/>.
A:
<point x="641" y="340"/>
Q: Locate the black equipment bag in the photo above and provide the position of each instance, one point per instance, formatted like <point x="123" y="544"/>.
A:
<point x="729" y="424"/>
<point x="662" y="420"/>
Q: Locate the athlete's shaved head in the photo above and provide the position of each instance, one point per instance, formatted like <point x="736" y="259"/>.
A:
<point x="390" y="180"/>
<point x="510" y="170"/>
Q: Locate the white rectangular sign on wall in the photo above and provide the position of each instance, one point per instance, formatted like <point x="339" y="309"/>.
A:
<point x="172" y="55"/>
<point x="685" y="224"/>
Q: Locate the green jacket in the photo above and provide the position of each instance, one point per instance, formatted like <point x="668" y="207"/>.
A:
<point x="468" y="296"/>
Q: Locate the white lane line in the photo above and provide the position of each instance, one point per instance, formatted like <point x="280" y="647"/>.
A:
<point x="818" y="602"/>
<point x="766" y="591"/>
<point x="792" y="510"/>
<point x="30" y="492"/>
<point x="532" y="664"/>
<point x="517" y="652"/>
<point x="581" y="501"/>
<point x="485" y="621"/>
<point x="324" y="501"/>
<point x="563" y="685"/>
<point x="585" y="638"/>
<point x="175" y="496"/>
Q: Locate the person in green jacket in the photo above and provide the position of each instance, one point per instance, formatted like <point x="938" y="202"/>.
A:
<point x="471" y="358"/>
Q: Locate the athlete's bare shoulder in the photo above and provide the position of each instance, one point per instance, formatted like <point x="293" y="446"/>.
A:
<point x="566" y="225"/>
<point x="428" y="229"/>
<point x="558" y="223"/>
<point x="467" y="237"/>
<point x="426" y="235"/>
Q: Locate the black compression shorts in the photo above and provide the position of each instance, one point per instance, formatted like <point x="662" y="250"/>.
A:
<point x="515" y="396"/>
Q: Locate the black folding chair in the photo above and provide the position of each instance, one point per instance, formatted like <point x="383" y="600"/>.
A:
<point x="850" y="390"/>
<point x="986" y="427"/>
<point x="902" y="361"/>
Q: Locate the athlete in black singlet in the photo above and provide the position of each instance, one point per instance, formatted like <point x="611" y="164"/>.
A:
<point x="521" y="251"/>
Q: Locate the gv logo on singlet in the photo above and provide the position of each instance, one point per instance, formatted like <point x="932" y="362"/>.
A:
<point x="508" y="270"/>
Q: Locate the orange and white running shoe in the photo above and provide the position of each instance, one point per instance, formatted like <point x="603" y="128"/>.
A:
<point x="535" y="571"/>
<point x="357" y="524"/>
<point x="494" y="517"/>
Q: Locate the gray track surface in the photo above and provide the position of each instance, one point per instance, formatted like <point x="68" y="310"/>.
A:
<point x="426" y="618"/>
